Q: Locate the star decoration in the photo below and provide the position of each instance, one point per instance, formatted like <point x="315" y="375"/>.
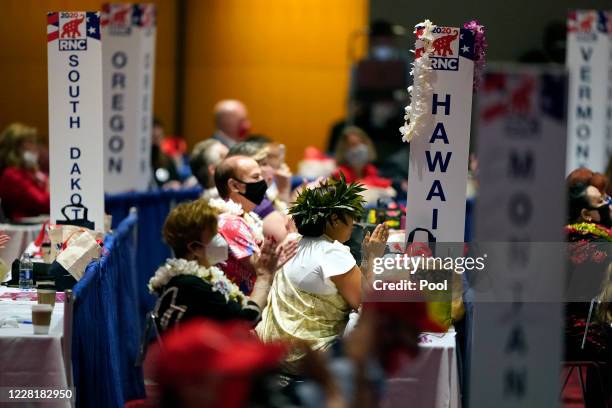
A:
<point x="465" y="49"/>
<point x="92" y="30"/>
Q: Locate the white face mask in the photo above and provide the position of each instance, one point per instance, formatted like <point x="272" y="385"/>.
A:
<point x="384" y="52"/>
<point x="358" y="156"/>
<point x="217" y="250"/>
<point x="30" y="158"/>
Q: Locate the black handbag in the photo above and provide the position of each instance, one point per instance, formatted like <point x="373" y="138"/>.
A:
<point x="431" y="239"/>
<point x="83" y="222"/>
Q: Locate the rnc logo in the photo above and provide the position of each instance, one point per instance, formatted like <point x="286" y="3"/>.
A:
<point x="445" y="55"/>
<point x="72" y="31"/>
<point x="73" y="45"/>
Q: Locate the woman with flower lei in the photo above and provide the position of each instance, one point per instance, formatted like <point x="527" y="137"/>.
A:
<point x="589" y="233"/>
<point x="190" y="286"/>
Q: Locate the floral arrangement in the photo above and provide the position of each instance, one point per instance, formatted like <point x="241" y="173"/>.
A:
<point x="581" y="249"/>
<point x="213" y="275"/>
<point x="480" y="49"/>
<point x="586" y="228"/>
<point x="253" y="221"/>
<point x="421" y="90"/>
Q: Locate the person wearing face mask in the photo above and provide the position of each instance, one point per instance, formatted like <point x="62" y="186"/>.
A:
<point x="355" y="155"/>
<point x="231" y="122"/>
<point x="24" y="189"/>
<point x="275" y="222"/>
<point x="191" y="286"/>
<point x="589" y="233"/>
<point x="242" y="187"/>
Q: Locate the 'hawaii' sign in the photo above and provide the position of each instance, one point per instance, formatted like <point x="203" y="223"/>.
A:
<point x="439" y="147"/>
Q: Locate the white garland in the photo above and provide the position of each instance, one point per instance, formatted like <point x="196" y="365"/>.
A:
<point x="421" y="91"/>
<point x="253" y="221"/>
<point x="226" y="207"/>
<point x="213" y="275"/>
<point x="255" y="225"/>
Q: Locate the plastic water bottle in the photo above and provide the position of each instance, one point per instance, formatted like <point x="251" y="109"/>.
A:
<point x="25" y="272"/>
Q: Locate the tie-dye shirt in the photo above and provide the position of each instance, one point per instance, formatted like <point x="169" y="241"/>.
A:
<point x="242" y="243"/>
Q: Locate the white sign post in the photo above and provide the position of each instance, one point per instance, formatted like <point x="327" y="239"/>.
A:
<point x="74" y="55"/>
<point x="128" y="57"/>
<point x="517" y="322"/>
<point x="437" y="175"/>
<point x="588" y="62"/>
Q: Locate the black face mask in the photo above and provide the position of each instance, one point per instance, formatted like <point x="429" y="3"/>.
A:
<point x="255" y="191"/>
<point x="604" y="215"/>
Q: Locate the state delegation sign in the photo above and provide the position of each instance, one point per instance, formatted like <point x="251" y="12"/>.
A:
<point x="128" y="59"/>
<point x="517" y="313"/>
<point x="74" y="55"/>
<point x="589" y="139"/>
<point x="437" y="175"/>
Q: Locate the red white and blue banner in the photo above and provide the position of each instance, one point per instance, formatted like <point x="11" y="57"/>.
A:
<point x="517" y="317"/>
<point x="128" y="58"/>
<point x="437" y="176"/>
<point x="589" y="140"/>
<point x="74" y="55"/>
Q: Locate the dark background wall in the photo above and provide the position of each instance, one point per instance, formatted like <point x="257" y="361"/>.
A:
<point x="513" y="27"/>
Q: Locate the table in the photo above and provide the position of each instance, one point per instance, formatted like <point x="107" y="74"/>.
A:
<point x="27" y="359"/>
<point x="429" y="381"/>
<point x="21" y="237"/>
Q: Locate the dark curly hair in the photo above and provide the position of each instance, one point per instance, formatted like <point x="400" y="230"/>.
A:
<point x="314" y="207"/>
<point x="577" y="201"/>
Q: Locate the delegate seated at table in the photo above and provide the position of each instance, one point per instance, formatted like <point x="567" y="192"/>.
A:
<point x="313" y="294"/>
<point x="24" y="189"/>
<point x="190" y="286"/>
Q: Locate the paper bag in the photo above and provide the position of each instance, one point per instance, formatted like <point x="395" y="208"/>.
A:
<point x="80" y="252"/>
<point x="61" y="237"/>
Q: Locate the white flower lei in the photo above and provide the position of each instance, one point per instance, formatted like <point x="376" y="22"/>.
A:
<point x="231" y="207"/>
<point x="213" y="275"/>
<point x="226" y="207"/>
<point x="421" y="90"/>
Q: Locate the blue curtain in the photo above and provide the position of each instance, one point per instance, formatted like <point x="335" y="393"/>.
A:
<point x="153" y="207"/>
<point x="106" y="325"/>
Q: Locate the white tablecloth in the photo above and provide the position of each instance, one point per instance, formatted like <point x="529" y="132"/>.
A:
<point x="429" y="381"/>
<point x="30" y="360"/>
<point x="21" y="236"/>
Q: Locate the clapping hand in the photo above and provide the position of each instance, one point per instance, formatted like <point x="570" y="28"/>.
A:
<point x="282" y="176"/>
<point x="267" y="262"/>
<point x="4" y="239"/>
<point x="286" y="250"/>
<point x="373" y="245"/>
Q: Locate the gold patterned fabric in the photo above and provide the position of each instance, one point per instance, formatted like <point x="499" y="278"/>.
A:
<point x="295" y="316"/>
